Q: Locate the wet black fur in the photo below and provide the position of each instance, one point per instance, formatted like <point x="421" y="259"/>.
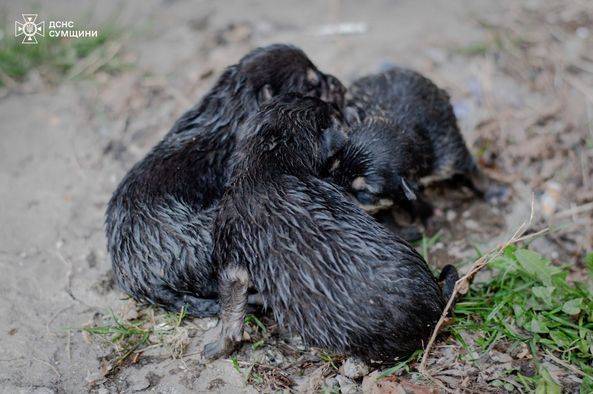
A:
<point x="403" y="127"/>
<point x="159" y="220"/>
<point x="326" y="269"/>
<point x="388" y="160"/>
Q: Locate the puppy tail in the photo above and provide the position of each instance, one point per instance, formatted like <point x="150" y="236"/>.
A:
<point x="447" y="279"/>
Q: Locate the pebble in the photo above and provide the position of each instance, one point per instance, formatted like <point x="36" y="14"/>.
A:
<point x="331" y="385"/>
<point x="544" y="247"/>
<point x="501" y="357"/>
<point x="297" y="342"/>
<point x="451" y="215"/>
<point x="354" y="368"/>
<point x="347" y="386"/>
<point x="138" y="383"/>
<point x="206" y="323"/>
<point x="472" y="224"/>
<point x="274" y="357"/>
<point x="550" y="198"/>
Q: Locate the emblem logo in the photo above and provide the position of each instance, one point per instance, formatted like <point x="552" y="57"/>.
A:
<point x="29" y="29"/>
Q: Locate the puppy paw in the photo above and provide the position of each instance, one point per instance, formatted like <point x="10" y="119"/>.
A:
<point x="219" y="348"/>
<point x="213" y="350"/>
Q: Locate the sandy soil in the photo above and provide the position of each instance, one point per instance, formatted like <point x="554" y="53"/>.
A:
<point x="64" y="149"/>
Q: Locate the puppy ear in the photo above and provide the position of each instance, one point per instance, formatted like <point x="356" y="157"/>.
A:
<point x="352" y="115"/>
<point x="265" y="94"/>
<point x="337" y="123"/>
<point x="334" y="139"/>
<point x="408" y="190"/>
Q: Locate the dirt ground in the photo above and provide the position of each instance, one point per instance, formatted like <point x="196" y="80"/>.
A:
<point x="521" y="81"/>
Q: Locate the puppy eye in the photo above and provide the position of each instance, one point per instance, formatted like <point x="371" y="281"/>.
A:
<point x="366" y="198"/>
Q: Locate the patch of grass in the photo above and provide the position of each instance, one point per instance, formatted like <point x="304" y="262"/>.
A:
<point x="175" y="319"/>
<point x="329" y="358"/>
<point x="529" y="301"/>
<point x="235" y="364"/>
<point x="257" y="328"/>
<point x="254" y="321"/>
<point x="129" y="338"/>
<point x="402" y="366"/>
<point x="55" y="58"/>
<point x="258" y="344"/>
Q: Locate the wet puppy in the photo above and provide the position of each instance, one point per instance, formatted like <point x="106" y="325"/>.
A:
<point x="325" y="268"/>
<point x="406" y="135"/>
<point x="159" y="220"/>
<point x="381" y="164"/>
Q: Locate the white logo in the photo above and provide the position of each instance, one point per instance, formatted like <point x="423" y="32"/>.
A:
<point x="29" y="29"/>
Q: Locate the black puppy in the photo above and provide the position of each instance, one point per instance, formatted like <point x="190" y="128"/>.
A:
<point x="326" y="269"/>
<point x="381" y="163"/>
<point x="405" y="135"/>
<point x="159" y="220"/>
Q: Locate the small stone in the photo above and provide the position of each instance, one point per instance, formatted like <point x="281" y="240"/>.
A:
<point x="138" y="383"/>
<point x="451" y="215"/>
<point x="347" y="386"/>
<point x="274" y="357"/>
<point x="297" y="342"/>
<point x="216" y="384"/>
<point x="206" y="323"/>
<point x="354" y="368"/>
<point x="130" y="311"/>
<point x="551" y="198"/>
<point x="501" y="357"/>
<point x="331" y="385"/>
<point x="369" y="383"/>
<point x="544" y="247"/>
<point x="472" y="224"/>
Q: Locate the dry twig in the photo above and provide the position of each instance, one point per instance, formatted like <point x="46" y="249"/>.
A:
<point x="462" y="285"/>
<point x="564" y="364"/>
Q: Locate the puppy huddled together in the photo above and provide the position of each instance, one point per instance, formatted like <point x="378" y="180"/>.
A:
<point x="263" y="194"/>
